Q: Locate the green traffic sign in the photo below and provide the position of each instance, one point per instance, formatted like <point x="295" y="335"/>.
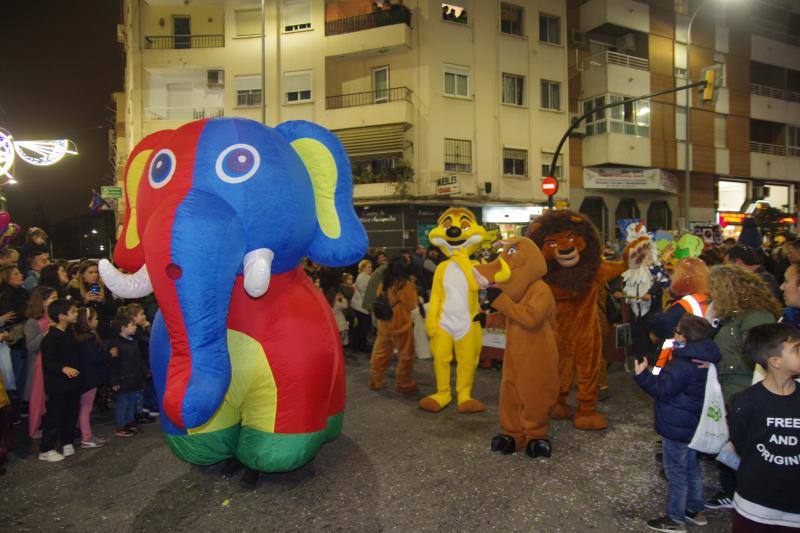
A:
<point x="107" y="191"/>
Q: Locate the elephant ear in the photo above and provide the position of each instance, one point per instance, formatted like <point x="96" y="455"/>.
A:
<point x="128" y="253"/>
<point x="340" y="239"/>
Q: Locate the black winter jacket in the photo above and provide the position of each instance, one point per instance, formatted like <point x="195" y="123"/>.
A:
<point x="126" y="369"/>
<point x="679" y="390"/>
<point x="59" y="349"/>
<point x="95" y="361"/>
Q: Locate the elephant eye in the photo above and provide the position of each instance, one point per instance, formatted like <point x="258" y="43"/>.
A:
<point x="162" y="168"/>
<point x="512" y="251"/>
<point x="237" y="163"/>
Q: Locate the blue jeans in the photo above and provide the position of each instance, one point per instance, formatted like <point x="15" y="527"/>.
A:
<point x="125" y="408"/>
<point x="685" y="487"/>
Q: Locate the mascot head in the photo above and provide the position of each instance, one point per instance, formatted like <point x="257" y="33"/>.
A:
<point x="457" y="232"/>
<point x="689" y="276"/>
<point x="571" y="245"/>
<point x="518" y="266"/>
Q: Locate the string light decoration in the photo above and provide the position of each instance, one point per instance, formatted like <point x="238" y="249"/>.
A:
<point x="38" y="153"/>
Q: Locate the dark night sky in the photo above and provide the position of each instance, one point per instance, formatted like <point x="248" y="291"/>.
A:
<point x="59" y="65"/>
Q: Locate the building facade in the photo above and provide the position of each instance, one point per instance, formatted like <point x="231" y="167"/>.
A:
<point x="628" y="161"/>
<point x="437" y="103"/>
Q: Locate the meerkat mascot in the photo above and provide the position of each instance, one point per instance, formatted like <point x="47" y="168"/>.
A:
<point x="451" y="322"/>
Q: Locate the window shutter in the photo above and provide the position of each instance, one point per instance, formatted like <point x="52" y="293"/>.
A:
<point x="248" y="83"/>
<point x="248" y="22"/>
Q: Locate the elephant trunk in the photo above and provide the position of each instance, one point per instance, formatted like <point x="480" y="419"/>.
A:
<point x="125" y="285"/>
<point x="193" y="266"/>
<point x="492" y="273"/>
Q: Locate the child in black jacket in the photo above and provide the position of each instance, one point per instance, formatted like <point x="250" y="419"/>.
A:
<point x="765" y="430"/>
<point x="127" y="375"/>
<point x="60" y="363"/>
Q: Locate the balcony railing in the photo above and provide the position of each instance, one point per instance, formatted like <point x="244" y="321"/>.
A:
<point x="397" y="15"/>
<point x="182" y="113"/>
<point x="766" y="148"/>
<point x="615" y="58"/>
<point x="341" y="101"/>
<point x="772" y="92"/>
<point x="169" y="42"/>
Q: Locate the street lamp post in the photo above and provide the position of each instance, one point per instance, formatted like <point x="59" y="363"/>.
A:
<point x="688" y="134"/>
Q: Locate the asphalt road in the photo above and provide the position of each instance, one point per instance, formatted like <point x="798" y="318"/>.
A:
<point x="395" y="468"/>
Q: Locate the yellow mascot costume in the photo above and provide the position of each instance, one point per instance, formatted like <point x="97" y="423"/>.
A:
<point x="451" y="320"/>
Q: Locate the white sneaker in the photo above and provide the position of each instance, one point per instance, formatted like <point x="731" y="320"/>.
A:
<point x="94" y="442"/>
<point x="52" y="456"/>
<point x="68" y="450"/>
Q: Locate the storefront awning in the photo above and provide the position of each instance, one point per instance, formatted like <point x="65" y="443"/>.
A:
<point x="373" y="140"/>
<point x="627" y="179"/>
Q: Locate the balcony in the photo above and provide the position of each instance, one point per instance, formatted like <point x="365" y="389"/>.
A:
<point x="613" y="72"/>
<point x="397" y="15"/>
<point x="341" y="101"/>
<point x="766" y="148"/>
<point x="772" y="104"/>
<point x="379" y="32"/>
<point x="183" y="42"/>
<point x="622" y="13"/>
<point x="371" y="108"/>
<point x="182" y="114"/>
<point x="774" y="161"/>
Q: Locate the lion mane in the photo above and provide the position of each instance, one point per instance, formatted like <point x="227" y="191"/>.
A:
<point x="581" y="277"/>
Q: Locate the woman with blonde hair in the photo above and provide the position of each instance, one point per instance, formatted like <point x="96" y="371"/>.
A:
<point x="741" y="301"/>
<point x="363" y="319"/>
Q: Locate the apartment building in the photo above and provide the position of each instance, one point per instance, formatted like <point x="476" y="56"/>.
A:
<point x="628" y="161"/>
<point x="437" y="103"/>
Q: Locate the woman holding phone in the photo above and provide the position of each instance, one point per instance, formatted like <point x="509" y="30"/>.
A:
<point x="87" y="290"/>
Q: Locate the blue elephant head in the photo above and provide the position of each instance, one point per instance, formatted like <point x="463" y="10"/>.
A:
<point x="216" y="199"/>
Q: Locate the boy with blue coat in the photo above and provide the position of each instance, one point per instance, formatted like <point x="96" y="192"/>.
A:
<point x="679" y="391"/>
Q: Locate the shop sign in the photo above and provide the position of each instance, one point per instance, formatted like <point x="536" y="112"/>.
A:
<point x="448" y="185"/>
<point x="645" y="179"/>
<point x="730" y="218"/>
<point x="511" y="214"/>
<point x="380" y="218"/>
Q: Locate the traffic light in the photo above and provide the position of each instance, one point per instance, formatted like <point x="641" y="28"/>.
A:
<point x="713" y="78"/>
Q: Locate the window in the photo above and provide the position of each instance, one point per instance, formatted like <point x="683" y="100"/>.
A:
<point x="596" y="122"/>
<point x="720" y="131"/>
<point x="297" y="86"/>
<point x="551" y="95"/>
<point x="513" y="89"/>
<point x="630" y="118"/>
<point x="511" y="19"/>
<point x="778" y="196"/>
<point x="659" y="215"/>
<point x="731" y="195"/>
<point x="793" y="140"/>
<point x="595" y="208"/>
<point x="456" y="81"/>
<point x="547" y="158"/>
<point x="296" y="15"/>
<point x="515" y="162"/>
<point x="549" y="29"/>
<point x="248" y="91"/>
<point x="454" y="12"/>
<point x="457" y="155"/>
<point x="248" y="22"/>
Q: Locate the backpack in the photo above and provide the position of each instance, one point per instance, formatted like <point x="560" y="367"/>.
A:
<point x="381" y="307"/>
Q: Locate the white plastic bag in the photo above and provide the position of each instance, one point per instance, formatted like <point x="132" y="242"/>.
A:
<point x="712" y="430"/>
<point x="6" y="367"/>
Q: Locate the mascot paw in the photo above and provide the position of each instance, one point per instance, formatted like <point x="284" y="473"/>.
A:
<point x="429" y="404"/>
<point x="504" y="443"/>
<point x="471" y="406"/>
<point x="561" y="411"/>
<point x="409" y="387"/>
<point x="538" y="448"/>
<point x="589" y="421"/>
<point x="376" y="383"/>
<point x="249" y="480"/>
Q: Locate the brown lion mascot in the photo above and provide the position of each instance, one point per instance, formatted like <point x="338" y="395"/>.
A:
<point x="575" y="271"/>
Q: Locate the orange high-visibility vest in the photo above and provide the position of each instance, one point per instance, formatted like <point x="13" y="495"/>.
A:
<point x="697" y="304"/>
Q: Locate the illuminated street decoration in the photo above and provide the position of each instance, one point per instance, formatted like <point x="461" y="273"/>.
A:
<point x="38" y="153"/>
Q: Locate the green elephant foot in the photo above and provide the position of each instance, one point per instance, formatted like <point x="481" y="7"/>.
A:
<point x="205" y="448"/>
<point x="283" y="452"/>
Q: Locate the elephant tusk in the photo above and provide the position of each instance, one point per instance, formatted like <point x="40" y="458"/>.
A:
<point x="257" y="271"/>
<point x="125" y="285"/>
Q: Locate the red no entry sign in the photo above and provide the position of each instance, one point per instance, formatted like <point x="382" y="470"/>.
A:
<point x="549" y="186"/>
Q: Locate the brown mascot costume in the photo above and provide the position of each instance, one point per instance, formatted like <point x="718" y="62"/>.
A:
<point x="575" y="269"/>
<point x="529" y="388"/>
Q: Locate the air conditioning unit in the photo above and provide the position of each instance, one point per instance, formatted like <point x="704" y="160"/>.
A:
<point x="680" y="73"/>
<point x="626" y="43"/>
<point x="577" y="38"/>
<point x="216" y="78"/>
<point x="580" y="129"/>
